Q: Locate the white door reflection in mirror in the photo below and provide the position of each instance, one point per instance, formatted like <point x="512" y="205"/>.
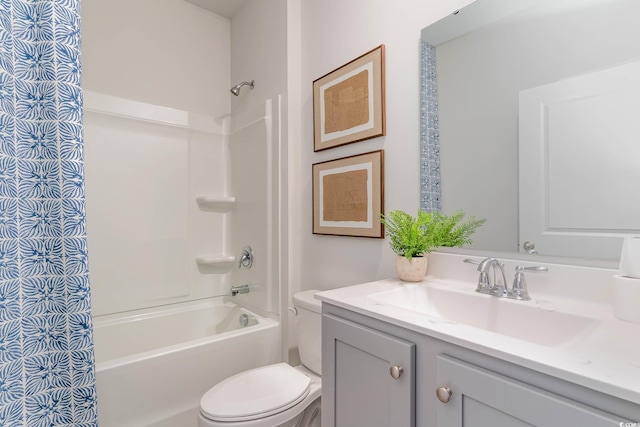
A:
<point x="579" y="149"/>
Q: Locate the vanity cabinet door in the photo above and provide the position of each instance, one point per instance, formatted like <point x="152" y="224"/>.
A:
<point x="481" y="398"/>
<point x="368" y="377"/>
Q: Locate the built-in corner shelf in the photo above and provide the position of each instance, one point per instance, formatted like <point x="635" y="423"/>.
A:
<point x="221" y="204"/>
<point x="215" y="264"/>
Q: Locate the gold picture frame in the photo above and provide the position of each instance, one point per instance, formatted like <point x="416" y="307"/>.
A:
<point x="348" y="196"/>
<point x="348" y="103"/>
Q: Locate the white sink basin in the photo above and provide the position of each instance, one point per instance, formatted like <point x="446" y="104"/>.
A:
<point x="525" y="320"/>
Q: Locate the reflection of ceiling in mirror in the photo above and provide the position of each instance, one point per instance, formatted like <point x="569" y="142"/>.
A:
<point x="226" y="8"/>
<point x="479" y="77"/>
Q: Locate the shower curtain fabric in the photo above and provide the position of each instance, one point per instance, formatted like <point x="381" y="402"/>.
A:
<point x="47" y="375"/>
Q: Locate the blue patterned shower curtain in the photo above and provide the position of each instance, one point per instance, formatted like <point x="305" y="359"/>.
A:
<point x="47" y="375"/>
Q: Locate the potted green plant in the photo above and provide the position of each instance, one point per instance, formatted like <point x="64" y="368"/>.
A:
<point x="412" y="238"/>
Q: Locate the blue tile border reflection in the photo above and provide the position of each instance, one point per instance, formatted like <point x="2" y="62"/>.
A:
<point x="429" y="136"/>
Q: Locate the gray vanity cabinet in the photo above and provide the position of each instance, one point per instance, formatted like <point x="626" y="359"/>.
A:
<point x="371" y="374"/>
<point x="483" y="398"/>
<point x="359" y="388"/>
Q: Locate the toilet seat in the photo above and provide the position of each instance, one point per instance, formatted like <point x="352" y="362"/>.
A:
<point x="254" y="394"/>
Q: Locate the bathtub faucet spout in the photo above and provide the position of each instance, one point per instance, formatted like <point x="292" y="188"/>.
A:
<point x="241" y="289"/>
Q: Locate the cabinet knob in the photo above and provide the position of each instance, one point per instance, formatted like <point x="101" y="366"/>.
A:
<point x="396" y="372"/>
<point x="444" y="394"/>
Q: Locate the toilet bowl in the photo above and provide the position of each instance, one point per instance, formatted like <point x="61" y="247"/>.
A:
<point x="277" y="395"/>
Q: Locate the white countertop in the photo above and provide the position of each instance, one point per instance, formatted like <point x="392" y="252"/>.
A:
<point x="606" y="358"/>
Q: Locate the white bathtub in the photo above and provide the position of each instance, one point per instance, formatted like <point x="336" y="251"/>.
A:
<point x="153" y="366"/>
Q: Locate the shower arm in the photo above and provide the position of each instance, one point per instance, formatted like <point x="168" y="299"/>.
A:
<point x="236" y="89"/>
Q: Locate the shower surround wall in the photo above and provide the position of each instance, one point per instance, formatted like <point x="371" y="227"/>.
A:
<point x="173" y="198"/>
<point x="152" y="174"/>
<point x="140" y="56"/>
<point x="254" y="152"/>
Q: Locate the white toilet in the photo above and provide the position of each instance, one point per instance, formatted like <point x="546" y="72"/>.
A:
<point x="276" y="395"/>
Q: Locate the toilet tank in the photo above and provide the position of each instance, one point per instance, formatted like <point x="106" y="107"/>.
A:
<point x="308" y="322"/>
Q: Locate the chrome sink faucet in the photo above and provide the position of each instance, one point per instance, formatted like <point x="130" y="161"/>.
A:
<point x="491" y="284"/>
<point x="496" y="284"/>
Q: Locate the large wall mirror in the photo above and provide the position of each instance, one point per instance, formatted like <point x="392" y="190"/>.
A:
<point x="538" y="107"/>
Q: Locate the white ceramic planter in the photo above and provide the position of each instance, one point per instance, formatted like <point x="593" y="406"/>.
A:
<point x="411" y="271"/>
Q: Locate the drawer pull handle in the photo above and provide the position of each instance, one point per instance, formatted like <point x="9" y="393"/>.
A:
<point x="444" y="394"/>
<point x="396" y="372"/>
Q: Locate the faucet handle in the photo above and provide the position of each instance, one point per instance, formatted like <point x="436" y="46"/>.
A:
<point x="246" y="259"/>
<point x="535" y="268"/>
<point x="484" y="287"/>
<point x="519" y="289"/>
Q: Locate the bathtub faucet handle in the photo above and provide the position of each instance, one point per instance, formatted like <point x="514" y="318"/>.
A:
<point x="246" y="259"/>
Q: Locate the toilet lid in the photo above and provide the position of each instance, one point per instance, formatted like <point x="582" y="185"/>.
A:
<point x="256" y="393"/>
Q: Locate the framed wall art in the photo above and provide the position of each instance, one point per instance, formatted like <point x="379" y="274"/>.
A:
<point x="348" y="103"/>
<point x="348" y="195"/>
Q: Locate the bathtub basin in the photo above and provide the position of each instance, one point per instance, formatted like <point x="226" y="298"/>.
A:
<point x="122" y="335"/>
<point x="153" y="366"/>
<point x="525" y="320"/>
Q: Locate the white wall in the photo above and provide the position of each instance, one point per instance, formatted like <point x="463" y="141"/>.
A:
<point x="333" y="32"/>
<point x="259" y="52"/>
<point x="162" y="52"/>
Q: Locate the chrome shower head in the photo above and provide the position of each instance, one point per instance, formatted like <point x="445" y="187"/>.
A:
<point x="236" y="89"/>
